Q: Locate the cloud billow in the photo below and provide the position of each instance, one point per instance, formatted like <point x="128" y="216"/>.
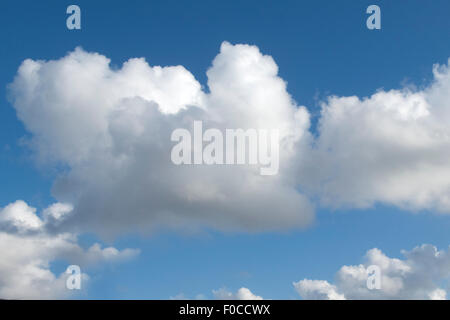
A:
<point x="27" y="251"/>
<point x="421" y="275"/>
<point x="110" y="130"/>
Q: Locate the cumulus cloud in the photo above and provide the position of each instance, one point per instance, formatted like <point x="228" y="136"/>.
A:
<point x="110" y="130"/>
<point x="392" y="147"/>
<point x="317" y="290"/>
<point x="420" y="275"/>
<point x="241" y="294"/>
<point x="27" y="250"/>
<point x="222" y="294"/>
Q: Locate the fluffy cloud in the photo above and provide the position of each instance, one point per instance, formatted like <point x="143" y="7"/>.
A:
<point x="110" y="130"/>
<point x="317" y="290"/>
<point x="392" y="147"/>
<point x="419" y="276"/>
<point x="241" y="294"/>
<point x="222" y="294"/>
<point x="27" y="250"/>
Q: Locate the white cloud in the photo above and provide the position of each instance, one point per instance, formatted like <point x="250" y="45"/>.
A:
<point x="20" y="217"/>
<point x="179" y="296"/>
<point x="57" y="212"/>
<point x="222" y="294"/>
<point x="27" y="251"/>
<point x="317" y="290"/>
<point x="392" y="147"/>
<point x="241" y="294"/>
<point x="111" y="129"/>
<point x="419" y="276"/>
<point x="182" y="296"/>
<point x="438" y="294"/>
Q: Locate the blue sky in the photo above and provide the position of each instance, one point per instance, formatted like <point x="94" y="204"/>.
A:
<point x="322" y="48"/>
